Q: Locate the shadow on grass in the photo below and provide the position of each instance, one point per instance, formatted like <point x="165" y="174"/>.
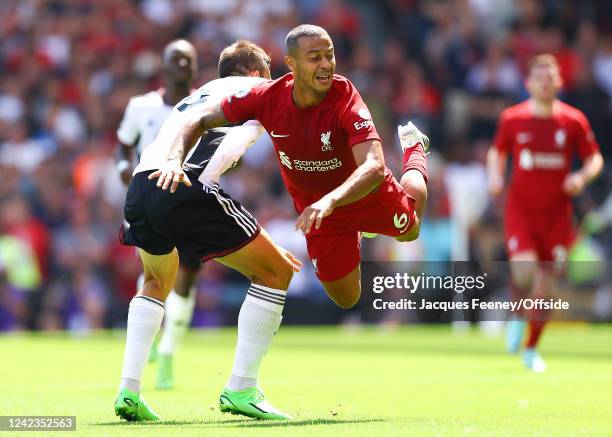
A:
<point x="240" y="423"/>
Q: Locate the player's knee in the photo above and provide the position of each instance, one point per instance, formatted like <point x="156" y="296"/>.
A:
<point x="522" y="282"/>
<point x="156" y="289"/>
<point x="279" y="278"/>
<point x="523" y="274"/>
<point x="347" y="302"/>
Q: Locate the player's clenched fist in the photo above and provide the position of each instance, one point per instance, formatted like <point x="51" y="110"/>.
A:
<point x="314" y="214"/>
<point x="170" y="175"/>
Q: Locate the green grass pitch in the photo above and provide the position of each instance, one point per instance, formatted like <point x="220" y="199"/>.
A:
<point x="364" y="382"/>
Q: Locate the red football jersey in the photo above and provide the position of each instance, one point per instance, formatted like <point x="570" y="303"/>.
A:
<point x="313" y="145"/>
<point x="542" y="150"/>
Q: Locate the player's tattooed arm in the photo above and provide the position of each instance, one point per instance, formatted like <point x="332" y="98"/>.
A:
<point x="368" y="175"/>
<point x="191" y="126"/>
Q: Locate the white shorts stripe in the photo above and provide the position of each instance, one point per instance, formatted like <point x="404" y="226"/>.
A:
<point x="247" y="222"/>
<point x="229" y="208"/>
<point x="238" y="221"/>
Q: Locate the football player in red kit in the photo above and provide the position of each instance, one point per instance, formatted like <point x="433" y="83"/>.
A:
<point x="543" y="135"/>
<point x="330" y="156"/>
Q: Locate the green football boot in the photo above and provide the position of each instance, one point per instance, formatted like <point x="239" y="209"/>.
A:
<point x="165" y="375"/>
<point x="133" y="408"/>
<point x="249" y="402"/>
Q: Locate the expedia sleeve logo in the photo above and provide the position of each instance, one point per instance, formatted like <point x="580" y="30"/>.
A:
<point x="366" y="119"/>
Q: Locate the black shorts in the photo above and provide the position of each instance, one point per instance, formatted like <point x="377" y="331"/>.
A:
<point x="200" y="221"/>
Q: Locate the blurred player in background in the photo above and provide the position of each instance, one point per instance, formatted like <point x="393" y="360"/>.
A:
<point x="543" y="135"/>
<point x="141" y="122"/>
<point x="200" y="219"/>
<point x="330" y="157"/>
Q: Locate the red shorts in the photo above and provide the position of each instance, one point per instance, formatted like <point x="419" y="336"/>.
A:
<point x="334" y="248"/>
<point x="550" y="235"/>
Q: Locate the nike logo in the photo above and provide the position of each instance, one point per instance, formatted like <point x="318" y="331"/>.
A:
<point x="278" y="135"/>
<point x="130" y="402"/>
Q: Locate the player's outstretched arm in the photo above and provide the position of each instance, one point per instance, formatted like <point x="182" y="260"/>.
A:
<point x="369" y="174"/>
<point x="575" y="182"/>
<point x="231" y="149"/>
<point x="191" y="126"/>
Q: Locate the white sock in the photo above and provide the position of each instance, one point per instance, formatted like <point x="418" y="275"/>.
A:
<point x="259" y="319"/>
<point x="144" y="319"/>
<point x="179" y="311"/>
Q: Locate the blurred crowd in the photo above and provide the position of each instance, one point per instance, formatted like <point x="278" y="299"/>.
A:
<point x="68" y="68"/>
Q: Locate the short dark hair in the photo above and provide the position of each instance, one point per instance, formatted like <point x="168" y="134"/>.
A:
<point x="303" y="30"/>
<point x="242" y="57"/>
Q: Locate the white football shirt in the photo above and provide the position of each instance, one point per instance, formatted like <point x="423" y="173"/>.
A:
<point x="154" y="156"/>
<point x="142" y="119"/>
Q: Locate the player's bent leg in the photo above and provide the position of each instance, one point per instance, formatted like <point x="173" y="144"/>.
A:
<point x="144" y="319"/>
<point x="345" y="292"/>
<point x="179" y="311"/>
<point x="415" y="186"/>
<point x="414" y="144"/>
<point x="160" y="273"/>
<point x="262" y="261"/>
<point x="522" y="270"/>
<point x="543" y="284"/>
<point x="270" y="269"/>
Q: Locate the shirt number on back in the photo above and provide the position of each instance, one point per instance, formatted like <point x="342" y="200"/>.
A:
<point x="194" y="99"/>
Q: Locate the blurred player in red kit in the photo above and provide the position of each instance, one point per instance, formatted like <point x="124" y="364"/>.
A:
<point x="543" y="135"/>
<point x="330" y="157"/>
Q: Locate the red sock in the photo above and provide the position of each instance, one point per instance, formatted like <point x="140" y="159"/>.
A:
<point x="535" y="331"/>
<point x="537" y="321"/>
<point x="414" y="159"/>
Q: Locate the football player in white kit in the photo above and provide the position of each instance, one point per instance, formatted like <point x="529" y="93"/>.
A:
<point x="143" y="117"/>
<point x="197" y="217"/>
